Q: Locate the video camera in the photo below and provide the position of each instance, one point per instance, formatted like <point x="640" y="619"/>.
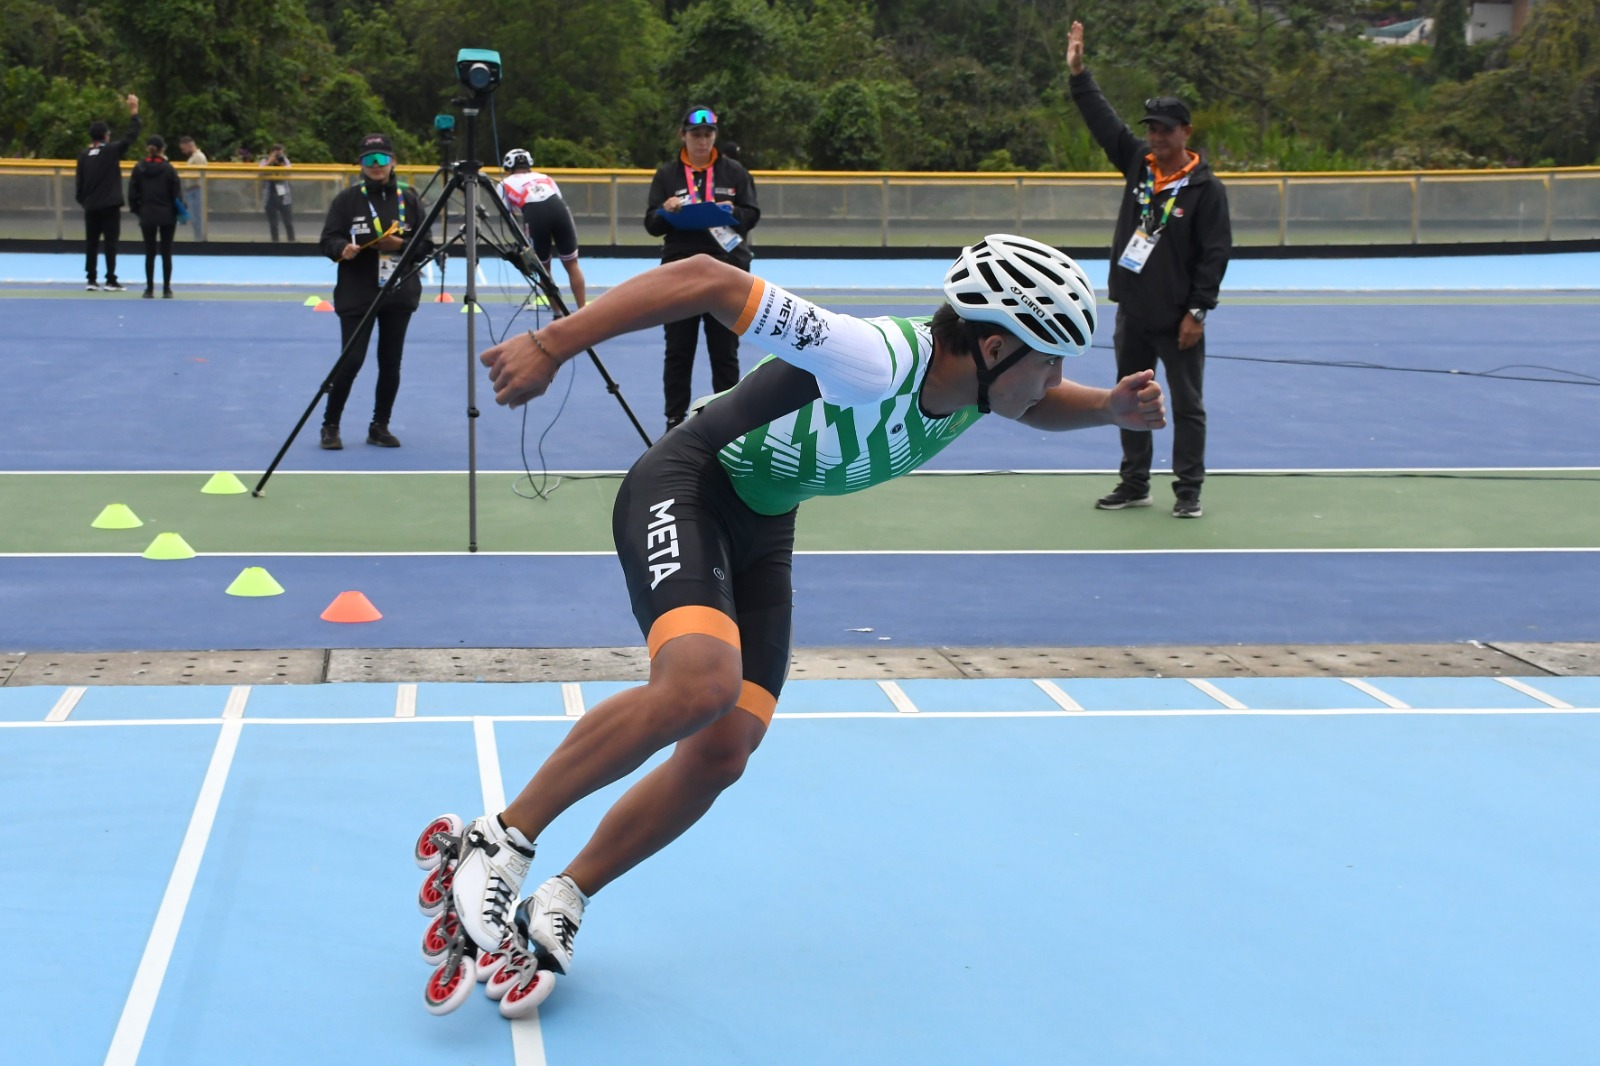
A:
<point x="478" y="70"/>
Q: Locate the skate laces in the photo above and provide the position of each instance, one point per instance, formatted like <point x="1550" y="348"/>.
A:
<point x="508" y="866"/>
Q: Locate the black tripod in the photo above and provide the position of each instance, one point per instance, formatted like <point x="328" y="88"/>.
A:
<point x="466" y="178"/>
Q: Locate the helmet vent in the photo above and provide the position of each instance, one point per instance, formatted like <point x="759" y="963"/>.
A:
<point x="1043" y="268"/>
<point x="1072" y="331"/>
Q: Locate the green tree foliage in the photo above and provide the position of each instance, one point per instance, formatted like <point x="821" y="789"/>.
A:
<point x="858" y="84"/>
<point x="1449" y="57"/>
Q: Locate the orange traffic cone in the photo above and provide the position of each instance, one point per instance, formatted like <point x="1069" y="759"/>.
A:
<point x="351" y="607"/>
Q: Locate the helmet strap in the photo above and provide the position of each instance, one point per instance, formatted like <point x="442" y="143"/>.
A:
<point x="987" y="374"/>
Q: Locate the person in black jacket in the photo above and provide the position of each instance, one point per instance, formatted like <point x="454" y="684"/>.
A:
<point x="700" y="175"/>
<point x="1168" y="254"/>
<point x="368" y="226"/>
<point x="99" y="193"/>
<point x="154" y="193"/>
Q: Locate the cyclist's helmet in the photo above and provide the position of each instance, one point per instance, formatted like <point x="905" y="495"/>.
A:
<point x="1030" y="289"/>
<point x="517" y="157"/>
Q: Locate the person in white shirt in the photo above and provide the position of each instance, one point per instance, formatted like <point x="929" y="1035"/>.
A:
<point x="536" y="200"/>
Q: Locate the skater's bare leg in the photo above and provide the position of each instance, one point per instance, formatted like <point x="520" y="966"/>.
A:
<point x="669" y="799"/>
<point x="694" y="680"/>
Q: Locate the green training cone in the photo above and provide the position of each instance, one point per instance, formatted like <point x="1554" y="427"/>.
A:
<point x="169" y="546"/>
<point x="312" y="301"/>
<point x="116" y="516"/>
<point x="473" y="307"/>
<point x="254" y="581"/>
<point x="224" y="484"/>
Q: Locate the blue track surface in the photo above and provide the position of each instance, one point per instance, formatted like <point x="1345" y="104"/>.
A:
<point x="579" y="601"/>
<point x="1319" y="879"/>
<point x="237" y="375"/>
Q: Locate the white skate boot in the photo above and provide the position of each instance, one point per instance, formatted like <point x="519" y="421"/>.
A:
<point x="524" y="967"/>
<point x="474" y="875"/>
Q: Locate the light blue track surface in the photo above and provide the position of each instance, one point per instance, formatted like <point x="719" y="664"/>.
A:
<point x="1551" y="270"/>
<point x="989" y="879"/>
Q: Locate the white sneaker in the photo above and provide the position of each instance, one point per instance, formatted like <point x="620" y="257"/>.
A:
<point x="488" y="878"/>
<point x="548" y="920"/>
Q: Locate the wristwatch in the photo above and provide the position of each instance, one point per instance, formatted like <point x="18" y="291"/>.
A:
<point x="1199" y="314"/>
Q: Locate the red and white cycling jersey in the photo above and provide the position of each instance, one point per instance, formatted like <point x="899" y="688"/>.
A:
<point x="529" y="187"/>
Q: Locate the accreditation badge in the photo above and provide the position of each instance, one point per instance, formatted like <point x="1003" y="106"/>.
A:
<point x="726" y="236"/>
<point x="1137" y="253"/>
<point x="385" y="267"/>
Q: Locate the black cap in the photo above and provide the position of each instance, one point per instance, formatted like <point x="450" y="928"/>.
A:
<point x="1167" y="110"/>
<point x="374" y="142"/>
<point x="699" y="116"/>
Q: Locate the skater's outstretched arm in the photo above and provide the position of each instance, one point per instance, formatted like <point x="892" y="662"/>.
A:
<point x="522" y="367"/>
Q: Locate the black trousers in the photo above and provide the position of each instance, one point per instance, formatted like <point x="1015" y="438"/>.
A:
<point x="101" y="222"/>
<point x="722" y="345"/>
<point x="1139" y="348"/>
<point x="277" y="209"/>
<point x="151" y="235"/>
<point x="392" y="324"/>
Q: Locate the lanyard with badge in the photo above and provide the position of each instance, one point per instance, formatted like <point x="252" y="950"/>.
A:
<point x="386" y="260"/>
<point x="1144" y="238"/>
<point x="726" y="236"/>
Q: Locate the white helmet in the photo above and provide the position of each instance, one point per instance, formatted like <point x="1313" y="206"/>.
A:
<point x="1031" y="289"/>
<point x="517" y="157"/>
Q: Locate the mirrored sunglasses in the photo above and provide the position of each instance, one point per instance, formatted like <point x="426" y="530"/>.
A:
<point x="702" y="117"/>
<point x="376" y="159"/>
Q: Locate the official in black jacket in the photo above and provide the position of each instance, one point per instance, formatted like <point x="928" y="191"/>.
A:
<point x="99" y="193"/>
<point x="700" y="174"/>
<point x="1168" y="254"/>
<point x="368" y="226"/>
<point x="153" y="194"/>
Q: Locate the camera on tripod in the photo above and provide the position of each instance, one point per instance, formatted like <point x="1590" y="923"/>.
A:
<point x="478" y="70"/>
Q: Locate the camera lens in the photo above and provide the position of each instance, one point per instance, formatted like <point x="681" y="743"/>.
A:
<point x="479" y="76"/>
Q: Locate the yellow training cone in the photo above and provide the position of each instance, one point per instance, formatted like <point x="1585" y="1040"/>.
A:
<point x="254" y="581"/>
<point x="169" y="546"/>
<point x="224" y="484"/>
<point x="312" y="301"/>
<point x="116" y="516"/>
<point x="474" y="308"/>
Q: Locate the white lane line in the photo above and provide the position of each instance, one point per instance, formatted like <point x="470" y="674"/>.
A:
<point x="1061" y="699"/>
<point x="572" y="699"/>
<point x="527" y="1038"/>
<point x="1542" y="697"/>
<point x="1217" y="694"/>
<point x="405" y="701"/>
<point x="996" y="715"/>
<point x="141" y="1002"/>
<point x="64" y="705"/>
<point x="1376" y="693"/>
<point x="238" y="696"/>
<point x="898" y="697"/>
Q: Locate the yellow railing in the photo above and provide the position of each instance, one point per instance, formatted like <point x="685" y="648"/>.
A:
<point x="911" y="210"/>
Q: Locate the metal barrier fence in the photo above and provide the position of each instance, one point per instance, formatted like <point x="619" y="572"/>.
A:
<point x="907" y="211"/>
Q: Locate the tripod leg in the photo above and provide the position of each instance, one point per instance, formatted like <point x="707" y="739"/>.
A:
<point x="539" y="277"/>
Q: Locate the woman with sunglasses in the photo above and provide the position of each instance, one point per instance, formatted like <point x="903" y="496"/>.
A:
<point x="368" y="226"/>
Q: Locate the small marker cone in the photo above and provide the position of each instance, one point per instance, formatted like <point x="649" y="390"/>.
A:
<point x="312" y="301"/>
<point x="444" y="298"/>
<point x="540" y="301"/>
<point x="169" y="546"/>
<point x="254" y="581"/>
<point x="351" y="607"/>
<point x="474" y="308"/>
<point x="116" y="516"/>
<point x="323" y="305"/>
<point x="224" y="484"/>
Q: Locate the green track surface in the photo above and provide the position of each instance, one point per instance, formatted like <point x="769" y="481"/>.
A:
<point x="427" y="512"/>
